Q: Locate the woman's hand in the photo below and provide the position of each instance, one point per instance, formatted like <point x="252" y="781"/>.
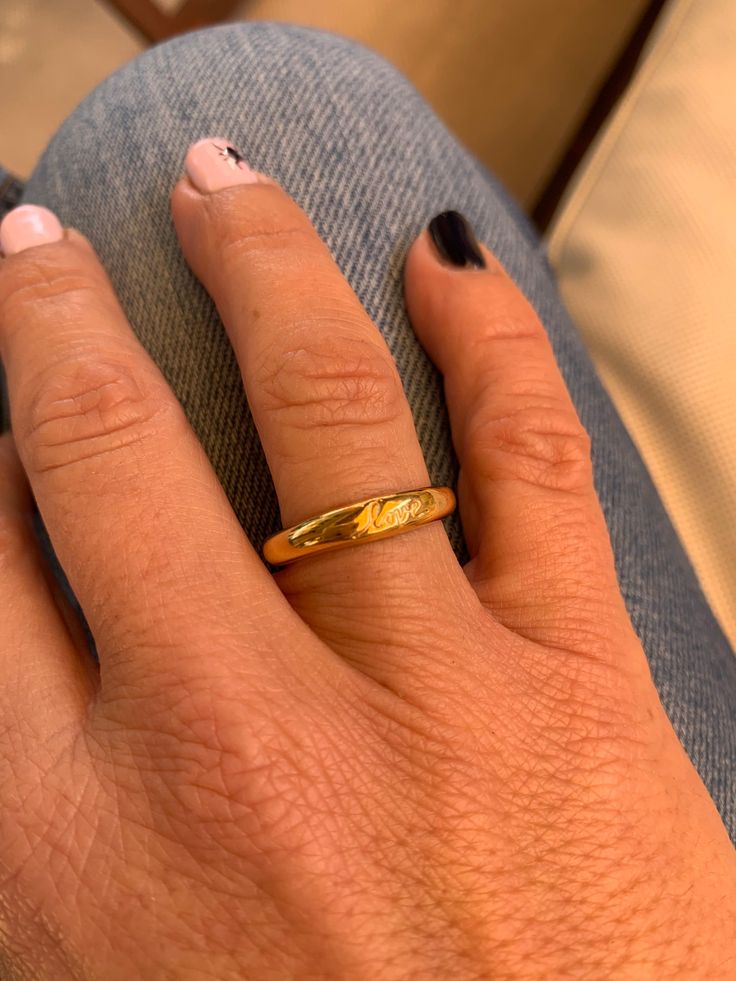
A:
<point x="373" y="764"/>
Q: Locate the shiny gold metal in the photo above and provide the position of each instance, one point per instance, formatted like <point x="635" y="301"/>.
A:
<point x="356" y="524"/>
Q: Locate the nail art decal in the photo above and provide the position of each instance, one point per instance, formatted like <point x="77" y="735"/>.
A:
<point x="214" y="163"/>
<point x="231" y="155"/>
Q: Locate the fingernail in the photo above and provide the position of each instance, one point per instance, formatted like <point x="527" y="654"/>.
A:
<point x="28" y="225"/>
<point x="214" y="163"/>
<point x="455" y="241"/>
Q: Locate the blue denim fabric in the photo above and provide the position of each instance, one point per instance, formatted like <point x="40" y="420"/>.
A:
<point x="368" y="160"/>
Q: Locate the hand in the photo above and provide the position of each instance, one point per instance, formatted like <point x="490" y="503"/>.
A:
<point x="372" y="764"/>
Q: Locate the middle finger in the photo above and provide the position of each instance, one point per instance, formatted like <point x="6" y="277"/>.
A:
<point x="135" y="513"/>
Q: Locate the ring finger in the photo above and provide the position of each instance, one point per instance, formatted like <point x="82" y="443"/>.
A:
<point x="326" y="398"/>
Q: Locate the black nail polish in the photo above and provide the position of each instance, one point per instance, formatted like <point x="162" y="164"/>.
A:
<point x="455" y="241"/>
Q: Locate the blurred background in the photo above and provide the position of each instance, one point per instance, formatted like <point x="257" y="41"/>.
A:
<point x="613" y="124"/>
<point x="514" y="79"/>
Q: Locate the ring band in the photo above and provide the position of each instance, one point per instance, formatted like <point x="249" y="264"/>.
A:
<point x="355" y="524"/>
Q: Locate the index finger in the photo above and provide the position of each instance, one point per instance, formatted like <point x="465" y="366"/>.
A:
<point x="133" y="508"/>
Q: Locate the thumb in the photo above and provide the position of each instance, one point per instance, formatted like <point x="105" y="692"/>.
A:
<point x="541" y="558"/>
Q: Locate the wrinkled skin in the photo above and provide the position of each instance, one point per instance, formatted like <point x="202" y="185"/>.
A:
<point x="370" y="764"/>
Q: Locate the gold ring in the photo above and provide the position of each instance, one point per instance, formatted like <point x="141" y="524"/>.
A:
<point x="355" y="524"/>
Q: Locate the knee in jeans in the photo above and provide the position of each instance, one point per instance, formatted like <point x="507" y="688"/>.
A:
<point x="317" y="69"/>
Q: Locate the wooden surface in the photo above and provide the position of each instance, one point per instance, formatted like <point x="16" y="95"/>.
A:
<point x="157" y="21"/>
<point x="52" y="54"/>
<point x="512" y="78"/>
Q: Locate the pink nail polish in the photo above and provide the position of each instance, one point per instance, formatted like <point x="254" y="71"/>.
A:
<point x="214" y="163"/>
<point x="28" y="225"/>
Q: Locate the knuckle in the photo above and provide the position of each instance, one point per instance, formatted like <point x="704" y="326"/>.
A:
<point x="542" y="445"/>
<point x="37" y="283"/>
<point x="84" y="409"/>
<point x="217" y="768"/>
<point x="587" y="707"/>
<point x="508" y="321"/>
<point x="246" y="228"/>
<point x="317" y="386"/>
<point x="249" y="243"/>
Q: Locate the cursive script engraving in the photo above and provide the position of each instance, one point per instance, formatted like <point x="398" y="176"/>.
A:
<point x="392" y="514"/>
<point x="380" y="516"/>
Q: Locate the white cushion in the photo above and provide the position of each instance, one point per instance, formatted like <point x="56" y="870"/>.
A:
<point x="644" y="246"/>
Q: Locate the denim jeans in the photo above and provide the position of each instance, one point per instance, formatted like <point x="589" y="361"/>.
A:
<point x="365" y="156"/>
